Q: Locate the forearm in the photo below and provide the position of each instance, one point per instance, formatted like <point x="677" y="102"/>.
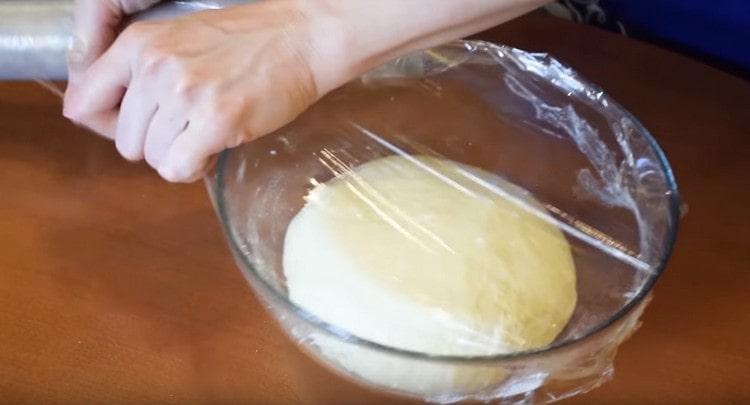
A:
<point x="362" y="34"/>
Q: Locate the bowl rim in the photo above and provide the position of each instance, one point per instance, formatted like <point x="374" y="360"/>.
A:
<point x="216" y="192"/>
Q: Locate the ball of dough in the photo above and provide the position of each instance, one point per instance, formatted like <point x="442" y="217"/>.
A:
<point x="433" y="256"/>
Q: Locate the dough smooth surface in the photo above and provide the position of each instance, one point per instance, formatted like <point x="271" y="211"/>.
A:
<point x="429" y="255"/>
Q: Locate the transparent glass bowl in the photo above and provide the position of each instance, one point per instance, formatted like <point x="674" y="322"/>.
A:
<point x="522" y="116"/>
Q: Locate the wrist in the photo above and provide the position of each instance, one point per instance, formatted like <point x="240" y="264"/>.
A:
<point x="350" y="37"/>
<point x="330" y="54"/>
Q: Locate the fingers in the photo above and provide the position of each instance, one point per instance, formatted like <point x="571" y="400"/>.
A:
<point x="104" y="82"/>
<point x="166" y="125"/>
<point x="190" y="154"/>
<point x="136" y="112"/>
<point x="94" y="24"/>
<point x="94" y="30"/>
<point x="176" y="93"/>
<point x="94" y="100"/>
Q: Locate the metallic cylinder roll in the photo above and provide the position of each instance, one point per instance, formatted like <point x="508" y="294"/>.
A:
<point x="36" y="35"/>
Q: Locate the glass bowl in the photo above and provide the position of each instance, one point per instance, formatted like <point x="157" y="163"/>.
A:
<point x="525" y="117"/>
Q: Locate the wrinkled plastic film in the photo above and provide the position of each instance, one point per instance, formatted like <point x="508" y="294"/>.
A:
<point x="467" y="222"/>
<point x="34" y="39"/>
<point x="616" y="181"/>
<point x="327" y="215"/>
<point x="36" y="35"/>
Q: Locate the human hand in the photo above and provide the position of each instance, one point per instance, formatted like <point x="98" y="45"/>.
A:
<point x="177" y="92"/>
<point x="95" y="27"/>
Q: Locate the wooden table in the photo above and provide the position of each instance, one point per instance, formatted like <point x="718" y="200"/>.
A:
<point x="118" y="287"/>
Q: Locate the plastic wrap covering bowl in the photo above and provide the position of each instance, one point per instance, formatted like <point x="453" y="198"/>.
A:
<point x="598" y="176"/>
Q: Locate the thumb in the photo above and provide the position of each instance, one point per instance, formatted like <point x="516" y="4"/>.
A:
<point x="94" y="26"/>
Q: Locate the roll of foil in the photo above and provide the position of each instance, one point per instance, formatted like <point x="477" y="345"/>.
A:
<point x="36" y="35"/>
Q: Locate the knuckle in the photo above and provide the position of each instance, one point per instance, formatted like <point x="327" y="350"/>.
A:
<point x="73" y="113"/>
<point x="239" y="137"/>
<point x="152" y="154"/>
<point x="152" y="158"/>
<point x="187" y="84"/>
<point x="125" y="150"/>
<point x="175" y="173"/>
<point x="154" y="59"/>
<point x="227" y="116"/>
<point x="211" y="91"/>
<point x="169" y="175"/>
<point x="78" y="115"/>
<point x="72" y="108"/>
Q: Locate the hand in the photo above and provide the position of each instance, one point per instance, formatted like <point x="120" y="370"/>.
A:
<point x="95" y="27"/>
<point x="177" y="92"/>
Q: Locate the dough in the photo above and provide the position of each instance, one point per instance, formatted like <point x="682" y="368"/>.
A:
<point x="433" y="256"/>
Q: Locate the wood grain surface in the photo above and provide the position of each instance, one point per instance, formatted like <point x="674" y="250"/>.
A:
<point x="116" y="287"/>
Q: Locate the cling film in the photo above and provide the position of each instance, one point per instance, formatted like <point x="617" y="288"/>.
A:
<point x="471" y="221"/>
<point x="467" y="222"/>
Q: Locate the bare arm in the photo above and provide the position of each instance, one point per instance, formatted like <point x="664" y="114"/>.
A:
<point x="363" y="34"/>
<point x="177" y="92"/>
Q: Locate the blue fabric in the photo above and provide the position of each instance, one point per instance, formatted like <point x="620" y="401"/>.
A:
<point x="717" y="30"/>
